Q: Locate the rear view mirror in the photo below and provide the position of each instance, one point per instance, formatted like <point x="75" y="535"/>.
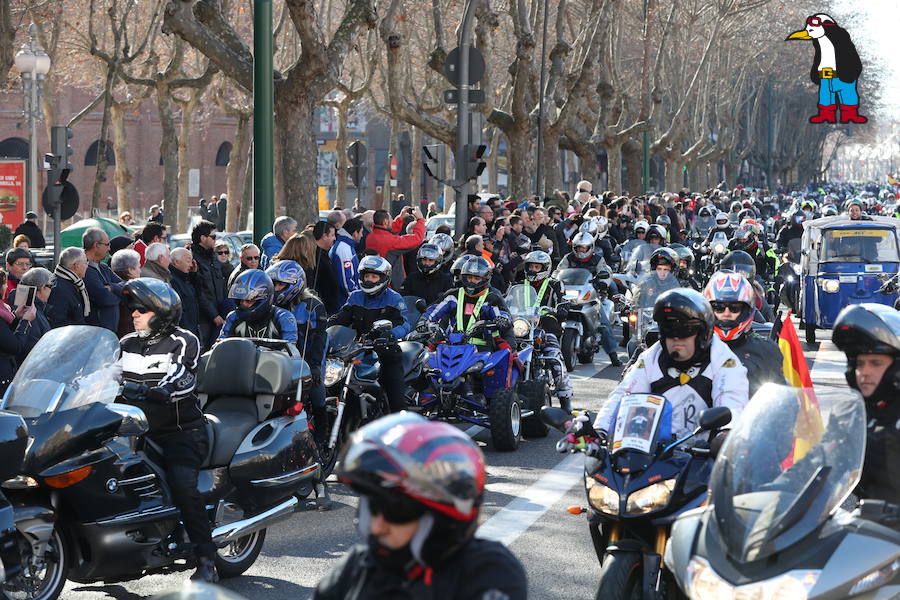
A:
<point x="555" y="417"/>
<point x="421" y="305"/>
<point x="716" y="417"/>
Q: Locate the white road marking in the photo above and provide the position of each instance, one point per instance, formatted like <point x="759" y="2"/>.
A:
<point x="474" y="430"/>
<point x="829" y="366"/>
<point x="515" y="518"/>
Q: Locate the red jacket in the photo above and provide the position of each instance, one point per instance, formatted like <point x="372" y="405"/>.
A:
<point x="383" y="240"/>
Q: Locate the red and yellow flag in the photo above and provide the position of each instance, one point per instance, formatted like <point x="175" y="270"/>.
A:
<point x="808" y="428"/>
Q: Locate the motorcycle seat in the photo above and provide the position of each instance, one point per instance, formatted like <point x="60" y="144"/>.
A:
<point x="228" y="421"/>
<point x="411" y="354"/>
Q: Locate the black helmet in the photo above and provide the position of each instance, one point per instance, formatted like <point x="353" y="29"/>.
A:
<point x="683" y="312"/>
<point x="149" y="294"/>
<point x="406" y="467"/>
<point x="255" y="285"/>
<point x="432" y="252"/>
<point x="739" y="262"/>
<point x="684" y="254"/>
<point x="664" y="220"/>
<point x="736" y="206"/>
<point x="475" y="267"/>
<point x="746" y="214"/>
<point x="867" y="329"/>
<point x="706" y="212"/>
<point x="665" y="256"/>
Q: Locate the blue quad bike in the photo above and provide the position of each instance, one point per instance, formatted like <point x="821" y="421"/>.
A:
<point x="470" y="385"/>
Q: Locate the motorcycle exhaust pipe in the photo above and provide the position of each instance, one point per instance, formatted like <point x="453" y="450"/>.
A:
<point x="231" y="532"/>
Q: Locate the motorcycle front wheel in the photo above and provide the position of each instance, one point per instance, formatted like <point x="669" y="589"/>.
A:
<point x="42" y="578"/>
<point x="621" y="577"/>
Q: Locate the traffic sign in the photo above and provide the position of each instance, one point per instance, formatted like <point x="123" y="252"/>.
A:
<point x="393" y="167"/>
<point x="452" y="96"/>
<point x="476" y="66"/>
<point x="356" y="153"/>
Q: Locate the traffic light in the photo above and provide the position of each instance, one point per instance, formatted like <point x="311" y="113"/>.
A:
<point x="59" y="145"/>
<point x="357" y="155"/>
<point x="474" y="164"/>
<point x="433" y="160"/>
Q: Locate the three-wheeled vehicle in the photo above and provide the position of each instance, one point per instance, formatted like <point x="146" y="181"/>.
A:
<point x="844" y="262"/>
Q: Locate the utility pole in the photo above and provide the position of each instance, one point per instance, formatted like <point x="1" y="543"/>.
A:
<point x="645" y="135"/>
<point x="770" y="135"/>
<point x="539" y="157"/>
<point x="263" y="120"/>
<point x="463" y="127"/>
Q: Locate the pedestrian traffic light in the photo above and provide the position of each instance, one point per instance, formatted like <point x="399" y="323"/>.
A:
<point x="357" y="174"/>
<point x="433" y="160"/>
<point x="474" y="164"/>
<point x="59" y="145"/>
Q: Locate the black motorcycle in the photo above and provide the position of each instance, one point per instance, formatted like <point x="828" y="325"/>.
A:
<point x="637" y="483"/>
<point x="353" y="395"/>
<point x="91" y="504"/>
<point x="13" y="442"/>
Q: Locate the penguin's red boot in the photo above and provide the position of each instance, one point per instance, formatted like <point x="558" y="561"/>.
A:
<point x="850" y="114"/>
<point x="827" y="114"/>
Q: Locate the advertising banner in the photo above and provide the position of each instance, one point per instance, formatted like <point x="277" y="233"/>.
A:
<point x="12" y="193"/>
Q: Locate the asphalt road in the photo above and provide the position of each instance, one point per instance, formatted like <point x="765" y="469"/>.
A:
<point x="528" y="492"/>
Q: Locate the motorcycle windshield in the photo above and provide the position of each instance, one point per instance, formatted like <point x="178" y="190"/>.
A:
<point x="522" y="301"/>
<point x="574" y="277"/>
<point x="704" y="224"/>
<point x="68" y="367"/>
<point x="340" y="339"/>
<point x="650" y="286"/>
<point x="793" y="457"/>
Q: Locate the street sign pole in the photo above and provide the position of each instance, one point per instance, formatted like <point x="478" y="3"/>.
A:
<point x="463" y="131"/>
<point x="263" y="121"/>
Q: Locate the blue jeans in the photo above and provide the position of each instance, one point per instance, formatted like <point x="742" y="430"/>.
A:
<point x="835" y="91"/>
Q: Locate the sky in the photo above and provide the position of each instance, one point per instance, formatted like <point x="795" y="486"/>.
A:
<point x="874" y="26"/>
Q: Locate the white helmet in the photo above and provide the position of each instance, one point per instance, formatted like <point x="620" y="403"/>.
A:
<point x="379" y="266"/>
<point x="580" y="240"/>
<point x="602" y="227"/>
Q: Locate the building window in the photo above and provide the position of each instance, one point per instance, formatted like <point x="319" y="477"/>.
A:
<point x="90" y="157"/>
<point x="14" y="148"/>
<point x="223" y="155"/>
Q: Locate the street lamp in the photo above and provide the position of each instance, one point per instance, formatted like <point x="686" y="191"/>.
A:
<point x="33" y="64"/>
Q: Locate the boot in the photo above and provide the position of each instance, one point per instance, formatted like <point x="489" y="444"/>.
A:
<point x="827" y="114"/>
<point x="323" y="498"/>
<point x="566" y="404"/>
<point x="206" y="571"/>
<point x="320" y="426"/>
<point x="849" y="114"/>
<point x="614" y="360"/>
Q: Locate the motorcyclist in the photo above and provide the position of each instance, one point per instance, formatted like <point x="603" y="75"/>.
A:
<point x="666" y="223"/>
<point x="723" y="225"/>
<point x="792" y="230"/>
<point x="421" y="485"/>
<point x="655" y="240"/>
<point x="733" y="302"/>
<point x="375" y="301"/>
<point x="445" y="244"/>
<point x="602" y="244"/>
<point x="685" y="272"/>
<point x="159" y="373"/>
<point x="689" y="365"/>
<point x="256" y="315"/>
<point x="639" y="233"/>
<point x="855" y="211"/>
<point x="663" y="264"/>
<point x="869" y="334"/>
<point x="733" y="212"/>
<point x="746" y="239"/>
<point x="292" y="294"/>
<point x="705" y="221"/>
<point x="429" y="282"/>
<point x="741" y="262"/>
<point x="551" y="298"/>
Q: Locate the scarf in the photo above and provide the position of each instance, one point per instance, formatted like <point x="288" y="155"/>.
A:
<point x="64" y="273"/>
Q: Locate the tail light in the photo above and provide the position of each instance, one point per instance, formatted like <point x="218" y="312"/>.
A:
<point x="295" y="409"/>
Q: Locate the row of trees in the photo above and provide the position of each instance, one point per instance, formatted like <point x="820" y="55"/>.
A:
<point x="711" y="83"/>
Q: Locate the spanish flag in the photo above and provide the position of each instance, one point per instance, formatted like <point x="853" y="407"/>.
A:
<point x="808" y="428"/>
<point x="892" y="180"/>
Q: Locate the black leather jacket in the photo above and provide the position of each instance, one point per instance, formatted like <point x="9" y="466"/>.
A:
<point x="761" y="357"/>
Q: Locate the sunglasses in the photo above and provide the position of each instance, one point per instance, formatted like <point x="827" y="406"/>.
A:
<point x="140" y="309"/>
<point x="678" y="330"/>
<point x="396" y="512"/>
<point x="734" y="307"/>
<point x="816" y="22"/>
<point x="251" y="258"/>
<point x="223" y="252"/>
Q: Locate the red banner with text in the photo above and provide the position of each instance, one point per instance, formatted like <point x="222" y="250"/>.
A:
<point x="12" y="193"/>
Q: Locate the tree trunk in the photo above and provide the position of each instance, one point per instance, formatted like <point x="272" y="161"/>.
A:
<point x="184" y="163"/>
<point x="392" y="151"/>
<point x="122" y="175"/>
<point x="696" y="176"/>
<point x="614" y="167"/>
<point x="247" y="196"/>
<point x="299" y="155"/>
<point x="236" y="200"/>
<point x="415" y="168"/>
<point x="493" y="164"/>
<point x="100" y="176"/>
<point x="732" y="168"/>
<point x="342" y="162"/>
<point x="519" y="178"/>
<point x="587" y="160"/>
<point x="168" y="150"/>
<point x="7" y="41"/>
<point x="552" y="173"/>
<point x="633" y="157"/>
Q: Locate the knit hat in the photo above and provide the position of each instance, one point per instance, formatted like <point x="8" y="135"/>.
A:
<point x="585" y="185"/>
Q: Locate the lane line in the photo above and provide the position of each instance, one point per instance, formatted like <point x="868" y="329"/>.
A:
<point x="829" y="365"/>
<point x="474" y="430"/>
<point x="514" y="519"/>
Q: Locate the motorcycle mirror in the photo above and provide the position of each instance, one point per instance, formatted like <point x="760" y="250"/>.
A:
<point x="382" y="324"/>
<point x="134" y="421"/>
<point x="555" y="417"/>
<point x="421" y="305"/>
<point x="716" y="417"/>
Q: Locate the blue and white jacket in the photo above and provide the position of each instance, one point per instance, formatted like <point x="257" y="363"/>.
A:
<point x="345" y="262"/>
<point x="361" y="311"/>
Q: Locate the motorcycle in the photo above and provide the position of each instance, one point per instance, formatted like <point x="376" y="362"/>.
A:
<point x="718" y="248"/>
<point x="353" y="395"/>
<point x="642" y="297"/>
<point x="473" y="386"/>
<point x="637" y="483"/>
<point x="13" y="442"/>
<point x="90" y="501"/>
<point x="581" y="329"/>
<point x="782" y="522"/>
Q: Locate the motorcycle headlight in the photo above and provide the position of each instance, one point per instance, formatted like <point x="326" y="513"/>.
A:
<point x="521" y="328"/>
<point x="333" y="370"/>
<point x="875" y="579"/>
<point x="650" y="498"/>
<point x="719" y="248"/>
<point x="704" y="582"/>
<point x="604" y="499"/>
<point x="832" y="286"/>
<point x="476" y="367"/>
